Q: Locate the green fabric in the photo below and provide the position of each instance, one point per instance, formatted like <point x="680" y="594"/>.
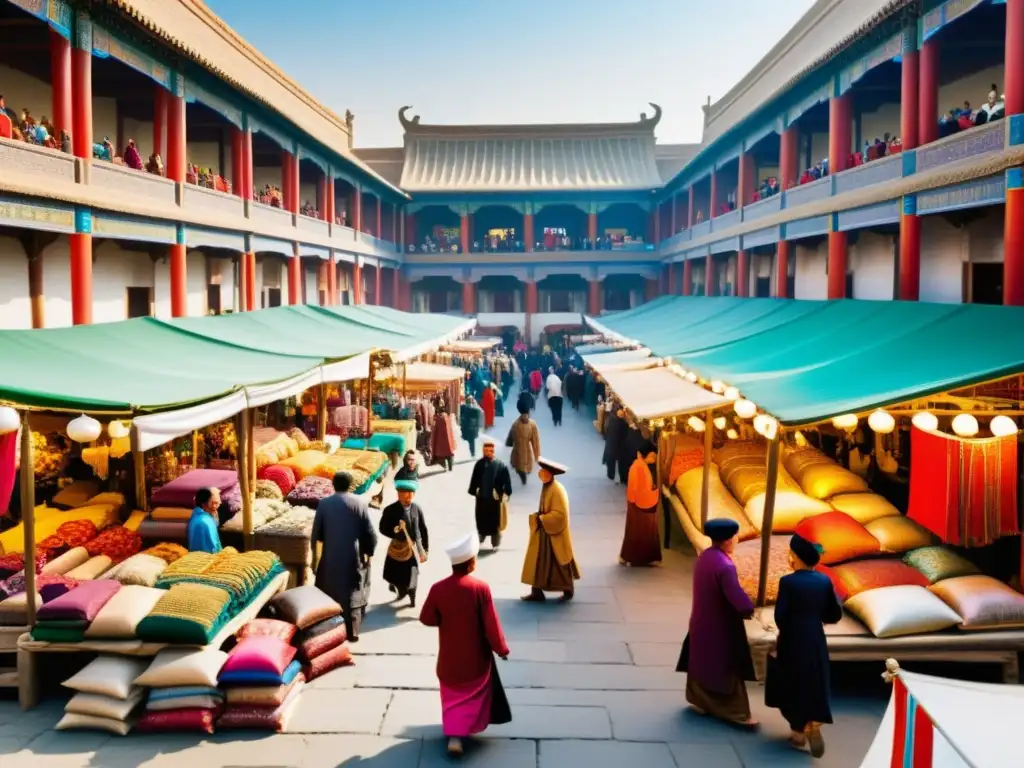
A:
<point x="805" y="361"/>
<point x="938" y="563"/>
<point x="57" y="634"/>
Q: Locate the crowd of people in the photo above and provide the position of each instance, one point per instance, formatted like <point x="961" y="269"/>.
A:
<point x="449" y="241"/>
<point x="964" y="117"/>
<point x="25" y="127"/>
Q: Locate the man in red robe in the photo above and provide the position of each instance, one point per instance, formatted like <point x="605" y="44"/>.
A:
<point x="487" y="403"/>
<point x="470" y="633"/>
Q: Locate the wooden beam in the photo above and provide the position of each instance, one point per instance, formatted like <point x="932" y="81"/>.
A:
<point x="768" y="516"/>
<point x="27" y="480"/>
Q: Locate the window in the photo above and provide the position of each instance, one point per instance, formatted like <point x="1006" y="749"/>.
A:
<point x="139" y="302"/>
<point x="273" y="297"/>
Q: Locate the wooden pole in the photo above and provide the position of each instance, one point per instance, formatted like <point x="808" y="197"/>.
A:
<point x="28" y="515"/>
<point x="661" y="497"/>
<point x="139" y="467"/>
<point x="705" y="483"/>
<point x="195" y="449"/>
<point x="768" y="517"/>
<point x="251" y="449"/>
<point x="405" y="380"/>
<point x="244" y="428"/>
<point x="321" y="412"/>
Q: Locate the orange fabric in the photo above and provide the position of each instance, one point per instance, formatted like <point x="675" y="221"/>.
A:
<point x="640" y="488"/>
<point x="841" y="537"/>
<point x="487" y="404"/>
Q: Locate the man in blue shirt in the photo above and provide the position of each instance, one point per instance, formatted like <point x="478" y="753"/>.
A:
<point x="202" y="526"/>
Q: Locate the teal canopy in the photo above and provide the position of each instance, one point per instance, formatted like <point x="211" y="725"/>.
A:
<point x="806" y="361"/>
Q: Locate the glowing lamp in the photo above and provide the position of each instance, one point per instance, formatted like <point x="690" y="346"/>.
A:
<point x="1000" y="426"/>
<point x="965" y="425"/>
<point x="720" y="422"/>
<point x="10" y="421"/>
<point x="732" y="434"/>
<point x="745" y="409"/>
<point x="118" y="430"/>
<point x="882" y="422"/>
<point x="717" y="387"/>
<point x="731" y="393"/>
<point x="766" y="426"/>
<point x="925" y="420"/>
<point x="84" y="429"/>
<point x="691" y="377"/>
<point x="847" y="422"/>
<point x="696" y="424"/>
<point x="801" y="441"/>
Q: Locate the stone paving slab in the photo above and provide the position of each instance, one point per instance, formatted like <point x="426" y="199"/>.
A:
<point x="340" y="711"/>
<point x="559" y="754"/>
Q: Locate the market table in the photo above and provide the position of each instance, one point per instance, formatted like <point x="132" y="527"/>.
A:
<point x="28" y="649"/>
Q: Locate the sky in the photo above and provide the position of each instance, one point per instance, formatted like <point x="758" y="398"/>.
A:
<point x="527" y="61"/>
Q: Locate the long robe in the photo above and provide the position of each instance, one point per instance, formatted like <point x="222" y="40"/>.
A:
<point x="615" y="429"/>
<point x="490" y="481"/>
<point x="641" y="542"/>
<point x="470" y="417"/>
<point x="499" y="405"/>
<point x="343" y="525"/>
<point x="487" y="404"/>
<point x="403" y="575"/>
<point x="442" y="438"/>
<point x="469" y="634"/>
<point x="715" y="654"/>
<point x="799" y="683"/>
<point x="525" y="441"/>
<point x="550" y="564"/>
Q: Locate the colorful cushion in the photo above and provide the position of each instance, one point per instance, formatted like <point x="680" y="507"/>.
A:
<point x="104" y="706"/>
<point x="175" y="667"/>
<point x="269" y="628"/>
<point x="77" y="532"/>
<point x="321" y="644"/>
<point x="111" y="676"/>
<point x="182" y="691"/>
<point x="181" y="492"/>
<point x="318" y="629"/>
<point x="116" y="542"/>
<point x="259" y="653"/>
<point x="81" y="603"/>
<point x="862" y="575"/>
<point x="791" y="508"/>
<point x="747" y="558"/>
<point x="75" y="722"/>
<point x="901" y="610"/>
<point x="123" y="612"/>
<point x="982" y="602"/>
<point x="249" y="716"/>
<point x="304" y="606"/>
<point x="196" y="701"/>
<point x="253" y="677"/>
<point x="897" y="535"/>
<point x="141" y="569"/>
<point x="263" y="695"/>
<point x="310" y="491"/>
<point x="75" y="495"/>
<point x="840" y="536"/>
<point x="282" y="476"/>
<point x="194" y="720"/>
<point x="303" y="463"/>
<point x="172" y="513"/>
<point x="340" y="656"/>
<point x="837" y="583"/>
<point x="188" y="613"/>
<point x="819" y="476"/>
<point x="938" y="563"/>
<point x="66" y="562"/>
<point x="720" y="501"/>
<point x="864" y="507"/>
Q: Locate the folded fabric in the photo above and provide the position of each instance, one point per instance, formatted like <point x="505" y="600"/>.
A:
<point x="319" y="628"/>
<point x="340" y="656"/>
<point x="91" y="569"/>
<point x="141" y="569"/>
<point x="116" y="542"/>
<point x="52" y="587"/>
<point x="198" y="701"/>
<point x="246" y="677"/>
<point x="188" y="613"/>
<point x="249" y="716"/>
<point x="176" y="667"/>
<point x="181" y="492"/>
<point x="66" y="562"/>
<point x="260" y="654"/>
<point x="123" y="612"/>
<point x="108" y="676"/>
<point x="262" y="695"/>
<point x="179" y="720"/>
<point x="83" y="602"/>
<point x="321" y="644"/>
<point x="45" y="634"/>
<point x="182" y="691"/>
<point x="97" y="705"/>
<point x="76" y="494"/>
<point x="171" y="513"/>
<point x="73" y="721"/>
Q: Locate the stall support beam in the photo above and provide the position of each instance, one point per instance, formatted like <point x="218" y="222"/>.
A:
<point x="244" y="430"/>
<point x="321" y="412"/>
<point x="771" y="484"/>
<point x="27" y="481"/>
<point x="705" y="483"/>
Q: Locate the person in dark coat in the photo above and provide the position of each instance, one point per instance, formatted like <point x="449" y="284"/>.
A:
<point x="343" y="567"/>
<point x="526" y="402"/>
<point x="404" y="523"/>
<point x="798" y="677"/>
<point x="409" y="470"/>
<point x="615" y="432"/>
<point x="471" y="418"/>
<point x="489" y="485"/>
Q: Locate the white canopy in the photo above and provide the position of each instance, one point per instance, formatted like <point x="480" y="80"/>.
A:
<point x="660" y="392"/>
<point x="601" y="361"/>
<point x="608" y="333"/>
<point x="419" y="373"/>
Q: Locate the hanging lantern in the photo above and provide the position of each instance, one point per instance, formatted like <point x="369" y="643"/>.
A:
<point x="691" y="377"/>
<point x="731" y="393"/>
<point x="732" y="434"/>
<point x="965" y="425"/>
<point x="10" y="421"/>
<point x="925" y="420"/>
<point x="717" y="387"/>
<point x="801" y="441"/>
<point x="720" y="422"/>
<point x="1000" y="426"/>
<point x="118" y="430"/>
<point x="766" y="426"/>
<point x="696" y="424"/>
<point x="882" y="422"/>
<point x="847" y="422"/>
<point x="84" y="429"/>
<point x="745" y="409"/>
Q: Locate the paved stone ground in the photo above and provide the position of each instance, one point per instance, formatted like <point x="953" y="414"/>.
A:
<point x="591" y="683"/>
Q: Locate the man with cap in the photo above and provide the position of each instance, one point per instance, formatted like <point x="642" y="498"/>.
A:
<point x="798" y="677"/>
<point x="550" y="565"/>
<point x="404" y="523"/>
<point x="469" y="635"/>
<point x="343" y="566"/>
<point x="491" y="486"/>
<point x="715" y="654"/>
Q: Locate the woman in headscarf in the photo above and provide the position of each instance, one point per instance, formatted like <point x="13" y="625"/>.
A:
<point x="403" y="522"/>
<point x="798" y="676"/>
<point x="641" y="543"/>
<point x="132" y="158"/>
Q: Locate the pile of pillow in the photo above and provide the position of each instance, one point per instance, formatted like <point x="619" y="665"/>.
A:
<point x="309" y="491"/>
<point x="66" y="618"/>
<point x="106" y="696"/>
<point x="181" y="691"/>
<point x="321" y="639"/>
<point x="261" y="678"/>
<point x="263" y="511"/>
<point x="176" y="500"/>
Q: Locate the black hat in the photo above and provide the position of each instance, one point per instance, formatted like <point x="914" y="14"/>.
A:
<point x="552" y="466"/>
<point x="808" y="552"/>
<point x="721" y="529"/>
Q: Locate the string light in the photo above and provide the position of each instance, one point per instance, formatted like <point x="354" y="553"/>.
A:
<point x="882" y="422"/>
<point x="745" y="409"/>
<point x="847" y="422"/>
<point x="717" y="387"/>
<point x="1002" y="426"/>
<point x="10" y="421"/>
<point x="720" y="422"/>
<point x="965" y="425"/>
<point x="731" y="393"/>
<point x="696" y="424"/>
<point x="926" y="421"/>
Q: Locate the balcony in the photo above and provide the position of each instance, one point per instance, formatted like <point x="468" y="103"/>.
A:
<point x="343" y="237"/>
<point x="725" y="221"/>
<point x="763" y="208"/>
<point x="203" y="200"/>
<point x="131" y="183"/>
<point x="873" y="172"/>
<point x="808" y="193"/>
<point x="313" y="227"/>
<point x="379" y="245"/>
<point x="31" y="160"/>
<point x="269" y="216"/>
<point x="700" y="230"/>
<point x="972" y="143"/>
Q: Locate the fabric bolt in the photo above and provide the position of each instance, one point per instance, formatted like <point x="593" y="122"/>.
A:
<point x="119" y="617"/>
<point x="188" y="613"/>
<point x="181" y="492"/>
<point x="819" y="476"/>
<point x="253" y="677"/>
<point x="116" y="542"/>
<point x="259" y="653"/>
<point x="76" y="494"/>
<point x="181" y="692"/>
<point x="51" y="587"/>
<point x="178" y="514"/>
<point x="721" y="503"/>
<point x="47" y="634"/>
<point x="91" y="569"/>
<point x="194" y="720"/>
<point x="81" y="603"/>
<point x="66" y="562"/>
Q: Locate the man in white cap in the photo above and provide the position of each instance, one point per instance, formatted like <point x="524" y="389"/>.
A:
<point x="550" y="565"/>
<point x="469" y="634"/>
<point x="491" y="486"/>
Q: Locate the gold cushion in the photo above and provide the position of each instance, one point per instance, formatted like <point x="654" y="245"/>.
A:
<point x="791" y="507"/>
<point x="720" y="501"/>
<point x="982" y="602"/>
<point x="819" y="476"/>
<point x="863" y="507"/>
<point x="901" y="610"/>
<point x="899" y="534"/>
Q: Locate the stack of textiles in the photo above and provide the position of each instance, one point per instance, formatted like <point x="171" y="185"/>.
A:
<point x="280" y="448"/>
<point x="66" y="562"/>
<point x="141" y="570"/>
<point x="263" y="512"/>
<point x="289" y="537"/>
<point x="281" y="476"/>
<point x="66" y="618"/>
<point x="268" y="489"/>
<point x="176" y="499"/>
<point x="49" y="520"/>
<point x="116" y="542"/>
<point x="120" y="616"/>
<point x="350" y="419"/>
<point x="182" y="691"/>
<point x="309" y="491"/>
<point x="106" y="695"/>
<point x="15" y="562"/>
<point x="261" y="679"/>
<point x="321" y="637"/>
<point x="189" y="614"/>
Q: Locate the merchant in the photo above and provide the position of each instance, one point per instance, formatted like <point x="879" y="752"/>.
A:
<point x="491" y="486"/>
<point x="202" y="525"/>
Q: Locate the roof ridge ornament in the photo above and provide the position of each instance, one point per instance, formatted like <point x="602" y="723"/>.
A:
<point x="406" y="122"/>
<point x="653" y="121"/>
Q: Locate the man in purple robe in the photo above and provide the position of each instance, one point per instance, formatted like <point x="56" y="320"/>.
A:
<point x="715" y="655"/>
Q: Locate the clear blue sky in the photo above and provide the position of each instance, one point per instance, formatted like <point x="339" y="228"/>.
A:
<point x="526" y="61"/>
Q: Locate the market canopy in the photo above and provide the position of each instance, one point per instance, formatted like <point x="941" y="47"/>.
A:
<point x="626" y="357"/>
<point x="423" y="373"/>
<point x="660" y="392"/>
<point x="806" y="361"/>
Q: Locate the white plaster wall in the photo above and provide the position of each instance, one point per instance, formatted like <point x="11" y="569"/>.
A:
<point x="225" y="269"/>
<point x="114" y="270"/>
<point x="944" y="249"/>
<point x="873" y="263"/>
<point x="57" y="283"/>
<point x="819" y="151"/>
<point x="307" y="194"/>
<point x="258" y="303"/>
<point x="15" y="306"/>
<point x="263" y="175"/>
<point x="541" y="320"/>
<point x="22" y="91"/>
<point x="162" y="288"/>
<point x="973" y="88"/>
<point x="142" y="132"/>
<point x="811" y="278"/>
<point x="195" y="283"/>
<point x="206" y="154"/>
<point x="104" y="122"/>
<point x="502" y="319"/>
<point x="874" y="125"/>
<point x="764" y="173"/>
<point x="986" y="236"/>
<point x="309" y="278"/>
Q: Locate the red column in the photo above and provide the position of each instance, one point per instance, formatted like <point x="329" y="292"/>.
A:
<point x="286" y="179"/>
<point x="789" y="157"/>
<point x="1014" y="57"/>
<point x="323" y="281"/>
<point x="1013" y="240"/>
<point x="378" y="278"/>
<point x="594" y="298"/>
<point x="742" y="274"/>
<point x="689" y="206"/>
<point x="713" y="198"/>
<point x="60" y="81"/>
<point x="837" y="252"/>
<point x="247" y="164"/>
<point x="909" y="90"/>
<point x="243" y="283"/>
<point x="357" y="210"/>
<point x="321" y="195"/>
<point x="237" y="162"/>
<point x="687" y="287"/>
<point x="745" y="191"/>
<point x="710" y="276"/>
<point x="910" y="251"/>
<point x="528" y="240"/>
<point x="928" y="93"/>
<point x="357" y="284"/>
<point x="295" y="278"/>
<point x="179" y="276"/>
<point x="81" y="268"/>
<point x="468" y="298"/>
<point x="160" y="96"/>
<point x="464" y="242"/>
<point x="531" y="298"/>
<point x="840" y="133"/>
<point x="332" y="281"/>
<point x="395" y="298"/>
<point x="670" y="280"/>
<point x="176" y="148"/>
<point x="250" y="280"/>
<point x="329" y="188"/>
<point x="592" y="227"/>
<point x="380" y="222"/>
<point x="782" y="270"/>
<point x="81" y="94"/>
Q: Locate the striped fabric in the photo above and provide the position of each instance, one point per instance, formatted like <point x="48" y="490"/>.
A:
<point x="913" y="737"/>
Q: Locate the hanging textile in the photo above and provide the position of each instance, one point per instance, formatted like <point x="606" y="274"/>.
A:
<point x="964" y="490"/>
<point x="913" y="739"/>
<point x="8" y="469"/>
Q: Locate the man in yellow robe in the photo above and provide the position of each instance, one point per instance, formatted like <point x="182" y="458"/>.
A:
<point x="550" y="565"/>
